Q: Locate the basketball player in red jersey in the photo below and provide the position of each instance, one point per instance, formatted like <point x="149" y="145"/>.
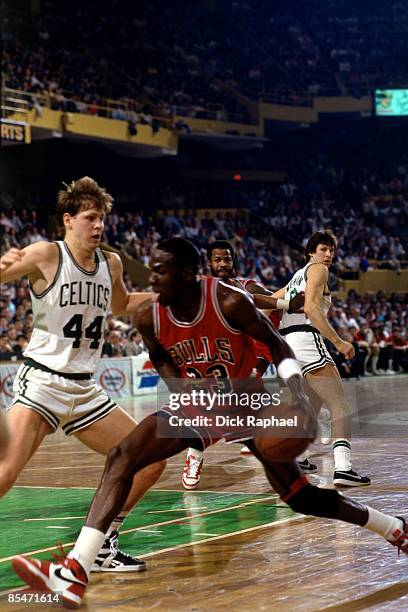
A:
<point x="222" y="263"/>
<point x="221" y="259"/>
<point x="199" y="323"/>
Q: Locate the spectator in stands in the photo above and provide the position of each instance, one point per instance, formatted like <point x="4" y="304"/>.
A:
<point x="6" y="350"/>
<point x="112" y="347"/>
<point x="19" y="346"/>
<point x="400" y="354"/>
<point x="135" y="344"/>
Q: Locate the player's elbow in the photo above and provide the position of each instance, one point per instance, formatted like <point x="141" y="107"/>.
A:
<point x="309" y="310"/>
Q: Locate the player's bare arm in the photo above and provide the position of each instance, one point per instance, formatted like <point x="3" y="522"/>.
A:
<point x="317" y="277"/>
<point x="160" y="357"/>
<point x="241" y="313"/>
<point x="266" y="299"/>
<point x="38" y="261"/>
<point x="123" y="303"/>
<point x="262" y="297"/>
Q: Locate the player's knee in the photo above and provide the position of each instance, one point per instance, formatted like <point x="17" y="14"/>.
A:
<point x="8" y="477"/>
<point x="315" y="501"/>
<point x="120" y="462"/>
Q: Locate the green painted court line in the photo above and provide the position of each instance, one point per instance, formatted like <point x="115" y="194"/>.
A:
<point x="162" y="520"/>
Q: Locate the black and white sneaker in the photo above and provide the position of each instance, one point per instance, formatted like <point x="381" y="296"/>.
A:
<point x="307" y="467"/>
<point x="111" y="559"/>
<point x="350" y="478"/>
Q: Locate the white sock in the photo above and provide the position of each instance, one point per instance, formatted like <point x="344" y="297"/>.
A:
<point x="86" y="547"/>
<point x="387" y="526"/>
<point x="117" y="522"/>
<point x="374" y="361"/>
<point x="197" y="454"/>
<point x="342" y="454"/>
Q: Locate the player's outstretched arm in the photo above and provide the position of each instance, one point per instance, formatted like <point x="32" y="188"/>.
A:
<point x="317" y="276"/>
<point x="263" y="298"/>
<point x="241" y="313"/>
<point x="16" y="263"/>
<point x="266" y="299"/>
<point x="123" y="303"/>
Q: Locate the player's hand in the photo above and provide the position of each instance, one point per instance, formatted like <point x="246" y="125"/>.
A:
<point x="296" y="304"/>
<point x="10" y="257"/>
<point x="304" y="408"/>
<point x="346" y="349"/>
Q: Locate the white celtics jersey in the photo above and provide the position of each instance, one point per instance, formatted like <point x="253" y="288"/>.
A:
<point x="69" y="316"/>
<point x="296" y="285"/>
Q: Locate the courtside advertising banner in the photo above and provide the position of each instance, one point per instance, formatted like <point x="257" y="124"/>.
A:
<point x="114" y="376"/>
<point x="119" y="377"/>
<point x="8" y="372"/>
<point x="144" y="376"/>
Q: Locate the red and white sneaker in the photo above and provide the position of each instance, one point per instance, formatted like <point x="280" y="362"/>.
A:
<point x="192" y="470"/>
<point x="401" y="535"/>
<point x="65" y="578"/>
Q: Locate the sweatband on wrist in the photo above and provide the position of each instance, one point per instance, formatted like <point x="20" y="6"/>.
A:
<point x="289" y="367"/>
<point x="282" y="305"/>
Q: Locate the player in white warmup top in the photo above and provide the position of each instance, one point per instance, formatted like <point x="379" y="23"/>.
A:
<point x="73" y="286"/>
<point x="304" y="332"/>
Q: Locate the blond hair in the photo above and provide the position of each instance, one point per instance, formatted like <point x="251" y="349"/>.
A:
<point x="80" y="195"/>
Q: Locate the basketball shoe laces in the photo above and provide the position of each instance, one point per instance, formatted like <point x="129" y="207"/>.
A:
<point x="193" y="467"/>
<point x="61" y="555"/>
<point x="116" y="553"/>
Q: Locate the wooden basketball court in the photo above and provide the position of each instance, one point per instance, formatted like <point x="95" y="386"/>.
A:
<point x="231" y="542"/>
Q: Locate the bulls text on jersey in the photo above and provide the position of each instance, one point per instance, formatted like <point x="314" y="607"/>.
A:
<point x="198" y="350"/>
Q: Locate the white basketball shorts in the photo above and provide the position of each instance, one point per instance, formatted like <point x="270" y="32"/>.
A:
<point x="62" y="402"/>
<point x="310" y="350"/>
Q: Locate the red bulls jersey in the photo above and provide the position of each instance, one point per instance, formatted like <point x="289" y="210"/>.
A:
<point x="207" y="346"/>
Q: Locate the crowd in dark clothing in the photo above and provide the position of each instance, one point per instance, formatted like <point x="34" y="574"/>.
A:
<point x="185" y="59"/>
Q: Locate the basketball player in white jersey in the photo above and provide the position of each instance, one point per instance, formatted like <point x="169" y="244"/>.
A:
<point x="73" y="286"/>
<point x="304" y="332"/>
